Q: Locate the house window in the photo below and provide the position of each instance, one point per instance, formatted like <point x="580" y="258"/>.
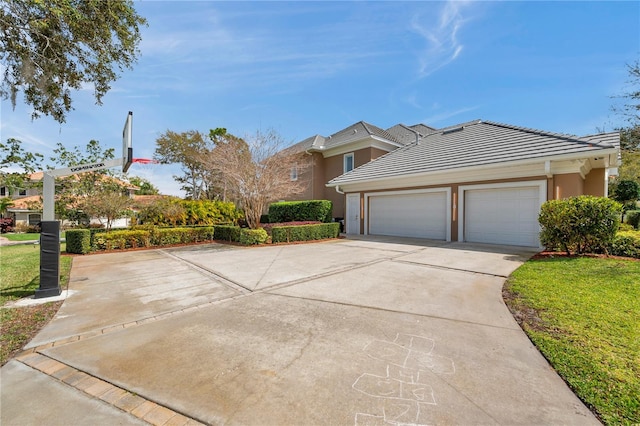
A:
<point x="22" y="192"/>
<point x="294" y="172"/>
<point x="34" y="219"/>
<point x="348" y="162"/>
<point x="3" y="191"/>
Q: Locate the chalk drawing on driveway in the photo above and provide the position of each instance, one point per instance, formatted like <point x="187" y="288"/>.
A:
<point x="403" y="390"/>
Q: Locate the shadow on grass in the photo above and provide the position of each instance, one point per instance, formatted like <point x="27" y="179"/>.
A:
<point x="19" y="292"/>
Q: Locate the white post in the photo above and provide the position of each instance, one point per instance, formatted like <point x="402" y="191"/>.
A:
<point x="48" y="197"/>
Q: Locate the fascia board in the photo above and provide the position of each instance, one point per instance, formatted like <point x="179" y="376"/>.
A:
<point x="369" y="142"/>
<point x="498" y="167"/>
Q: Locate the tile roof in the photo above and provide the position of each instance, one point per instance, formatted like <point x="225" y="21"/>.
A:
<point x="604" y="139"/>
<point x="397" y="135"/>
<point x="33" y="202"/>
<point x="315" y="141"/>
<point x="406" y="134"/>
<point x="475" y="143"/>
<point x="356" y="132"/>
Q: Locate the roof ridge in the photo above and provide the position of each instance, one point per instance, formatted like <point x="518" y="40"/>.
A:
<point x="572" y="138"/>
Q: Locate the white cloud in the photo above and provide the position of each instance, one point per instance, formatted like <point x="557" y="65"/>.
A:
<point x="444" y="115"/>
<point x="441" y="37"/>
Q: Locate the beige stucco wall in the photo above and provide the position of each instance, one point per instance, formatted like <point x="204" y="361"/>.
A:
<point x="567" y="185"/>
<point x="594" y="183"/>
<point x="334" y="167"/>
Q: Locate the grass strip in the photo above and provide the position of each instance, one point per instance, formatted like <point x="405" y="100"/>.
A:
<point x="19" y="278"/>
<point x="583" y="314"/>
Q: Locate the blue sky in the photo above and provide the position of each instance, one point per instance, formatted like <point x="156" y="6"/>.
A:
<point x="305" y="68"/>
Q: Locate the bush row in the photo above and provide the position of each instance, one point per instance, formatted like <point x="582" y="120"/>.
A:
<point x="244" y="236"/>
<point x="82" y="241"/>
<point x="282" y="234"/>
<point x="291" y="211"/>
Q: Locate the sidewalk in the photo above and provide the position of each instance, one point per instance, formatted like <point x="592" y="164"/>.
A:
<point x="6" y="242"/>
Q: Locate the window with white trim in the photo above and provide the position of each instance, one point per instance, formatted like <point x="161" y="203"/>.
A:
<point x="347" y="162"/>
<point x="294" y="172"/>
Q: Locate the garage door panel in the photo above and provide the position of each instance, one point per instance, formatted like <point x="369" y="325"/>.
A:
<point x="502" y="215"/>
<point x="421" y="215"/>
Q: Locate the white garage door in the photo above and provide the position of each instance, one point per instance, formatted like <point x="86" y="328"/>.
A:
<point x="421" y="215"/>
<point x="502" y="215"/>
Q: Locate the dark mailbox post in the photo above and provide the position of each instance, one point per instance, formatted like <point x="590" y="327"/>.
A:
<point x="49" y="259"/>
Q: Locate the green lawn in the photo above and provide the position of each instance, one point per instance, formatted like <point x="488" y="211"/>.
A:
<point x="24" y="236"/>
<point x="583" y="314"/>
<point x="19" y="278"/>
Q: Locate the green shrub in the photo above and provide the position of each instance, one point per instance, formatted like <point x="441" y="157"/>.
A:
<point x="78" y="241"/>
<point x="626" y="243"/>
<point x="291" y="211"/>
<point x="250" y="237"/>
<point x="168" y="236"/>
<point x="583" y="224"/>
<point x="150" y="236"/>
<point x="280" y="234"/>
<point x="632" y="217"/>
<point x="625" y="227"/>
<point x="227" y="233"/>
<point x="122" y="239"/>
<point x="264" y="218"/>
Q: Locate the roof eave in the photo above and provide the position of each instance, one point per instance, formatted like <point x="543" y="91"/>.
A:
<point x="565" y="157"/>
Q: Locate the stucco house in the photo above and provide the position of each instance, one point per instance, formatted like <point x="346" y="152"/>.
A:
<point x="326" y="158"/>
<point x="479" y="181"/>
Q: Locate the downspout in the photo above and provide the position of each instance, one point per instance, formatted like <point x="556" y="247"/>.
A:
<point x="313" y="182"/>
<point x="338" y="190"/>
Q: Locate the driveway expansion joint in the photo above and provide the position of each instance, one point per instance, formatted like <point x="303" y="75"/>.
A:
<point x="448" y="268"/>
<point x="515" y="328"/>
<point x="209" y="272"/>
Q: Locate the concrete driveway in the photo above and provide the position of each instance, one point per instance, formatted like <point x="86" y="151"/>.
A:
<point x="350" y="332"/>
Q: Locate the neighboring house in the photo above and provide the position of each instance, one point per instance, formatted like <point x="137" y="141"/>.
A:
<point x="478" y="182"/>
<point x="26" y="210"/>
<point x="27" y="204"/>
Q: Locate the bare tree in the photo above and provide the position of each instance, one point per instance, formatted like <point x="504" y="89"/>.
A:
<point x="257" y="171"/>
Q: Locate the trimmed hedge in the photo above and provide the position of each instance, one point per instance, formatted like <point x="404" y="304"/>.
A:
<point x="78" y="241"/>
<point x="249" y="237"/>
<point x="150" y="237"/>
<point x="227" y="233"/>
<point x="321" y="231"/>
<point x="293" y="211"/>
<point x="244" y="236"/>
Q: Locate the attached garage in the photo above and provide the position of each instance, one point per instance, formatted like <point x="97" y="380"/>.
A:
<point x="478" y="182"/>
<point x="421" y="214"/>
<point x="502" y="213"/>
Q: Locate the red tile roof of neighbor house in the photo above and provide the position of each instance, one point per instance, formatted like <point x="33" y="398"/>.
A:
<point x="37" y="176"/>
<point x="26" y="203"/>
